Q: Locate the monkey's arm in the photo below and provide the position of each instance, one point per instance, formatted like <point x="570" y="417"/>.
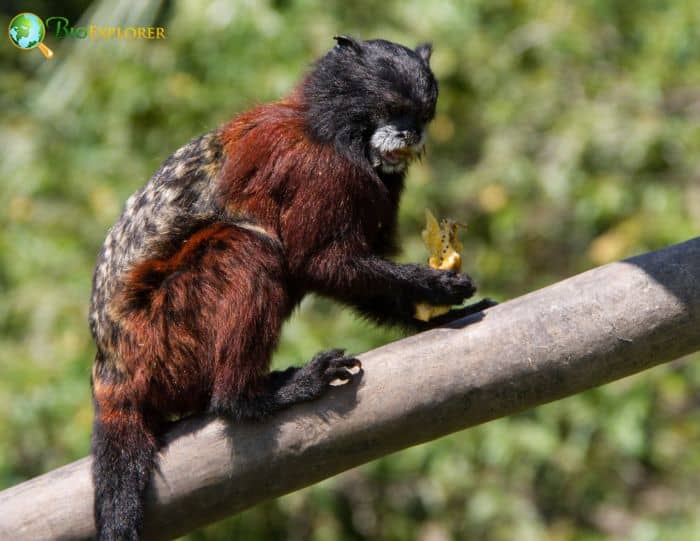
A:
<point x="359" y="277"/>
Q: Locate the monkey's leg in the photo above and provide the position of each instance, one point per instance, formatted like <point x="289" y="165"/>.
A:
<point x="247" y="335"/>
<point x="241" y="321"/>
<point x="284" y="388"/>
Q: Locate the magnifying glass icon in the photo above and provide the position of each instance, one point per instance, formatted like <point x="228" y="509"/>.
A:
<point x="27" y="31"/>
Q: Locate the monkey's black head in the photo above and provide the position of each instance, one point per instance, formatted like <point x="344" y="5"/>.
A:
<point x="372" y="99"/>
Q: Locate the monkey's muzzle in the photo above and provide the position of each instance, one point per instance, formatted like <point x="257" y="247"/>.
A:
<point x="404" y="154"/>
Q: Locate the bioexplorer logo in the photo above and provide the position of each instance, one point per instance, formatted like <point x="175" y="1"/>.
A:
<point x="27" y="31"/>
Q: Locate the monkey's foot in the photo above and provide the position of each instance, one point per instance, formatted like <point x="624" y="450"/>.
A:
<point x="330" y="367"/>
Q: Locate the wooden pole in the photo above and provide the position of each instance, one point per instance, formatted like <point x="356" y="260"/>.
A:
<point x="593" y="328"/>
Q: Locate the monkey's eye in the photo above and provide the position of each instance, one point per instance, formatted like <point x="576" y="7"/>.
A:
<point x="397" y="111"/>
<point x="399" y="106"/>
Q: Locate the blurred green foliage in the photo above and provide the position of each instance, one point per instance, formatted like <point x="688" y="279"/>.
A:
<point x="566" y="136"/>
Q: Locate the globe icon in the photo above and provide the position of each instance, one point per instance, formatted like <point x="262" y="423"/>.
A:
<point x="27" y="31"/>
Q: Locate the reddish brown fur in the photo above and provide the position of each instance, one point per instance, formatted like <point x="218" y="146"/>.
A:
<point x="305" y="191"/>
<point x="245" y="221"/>
<point x="203" y="322"/>
<point x="190" y="337"/>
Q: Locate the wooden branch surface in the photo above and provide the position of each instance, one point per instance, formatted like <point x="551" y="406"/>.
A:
<point x="582" y="332"/>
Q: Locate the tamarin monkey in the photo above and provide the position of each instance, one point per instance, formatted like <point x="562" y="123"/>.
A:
<point x="210" y="257"/>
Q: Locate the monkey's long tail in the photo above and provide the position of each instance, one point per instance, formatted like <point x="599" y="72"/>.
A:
<point x="124" y="451"/>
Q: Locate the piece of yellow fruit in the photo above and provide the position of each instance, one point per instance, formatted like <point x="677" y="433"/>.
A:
<point x="444" y="247"/>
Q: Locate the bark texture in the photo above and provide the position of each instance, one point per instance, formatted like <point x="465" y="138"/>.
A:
<point x="585" y="331"/>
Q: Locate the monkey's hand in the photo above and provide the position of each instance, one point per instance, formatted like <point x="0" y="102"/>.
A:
<point x="441" y="289"/>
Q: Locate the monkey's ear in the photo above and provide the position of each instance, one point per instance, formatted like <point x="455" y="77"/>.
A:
<point x="424" y="51"/>
<point x="349" y="42"/>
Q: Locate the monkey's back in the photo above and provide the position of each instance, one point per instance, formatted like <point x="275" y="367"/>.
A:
<point x="175" y="202"/>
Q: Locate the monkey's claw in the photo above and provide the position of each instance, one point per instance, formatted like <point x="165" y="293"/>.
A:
<point x="332" y="367"/>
